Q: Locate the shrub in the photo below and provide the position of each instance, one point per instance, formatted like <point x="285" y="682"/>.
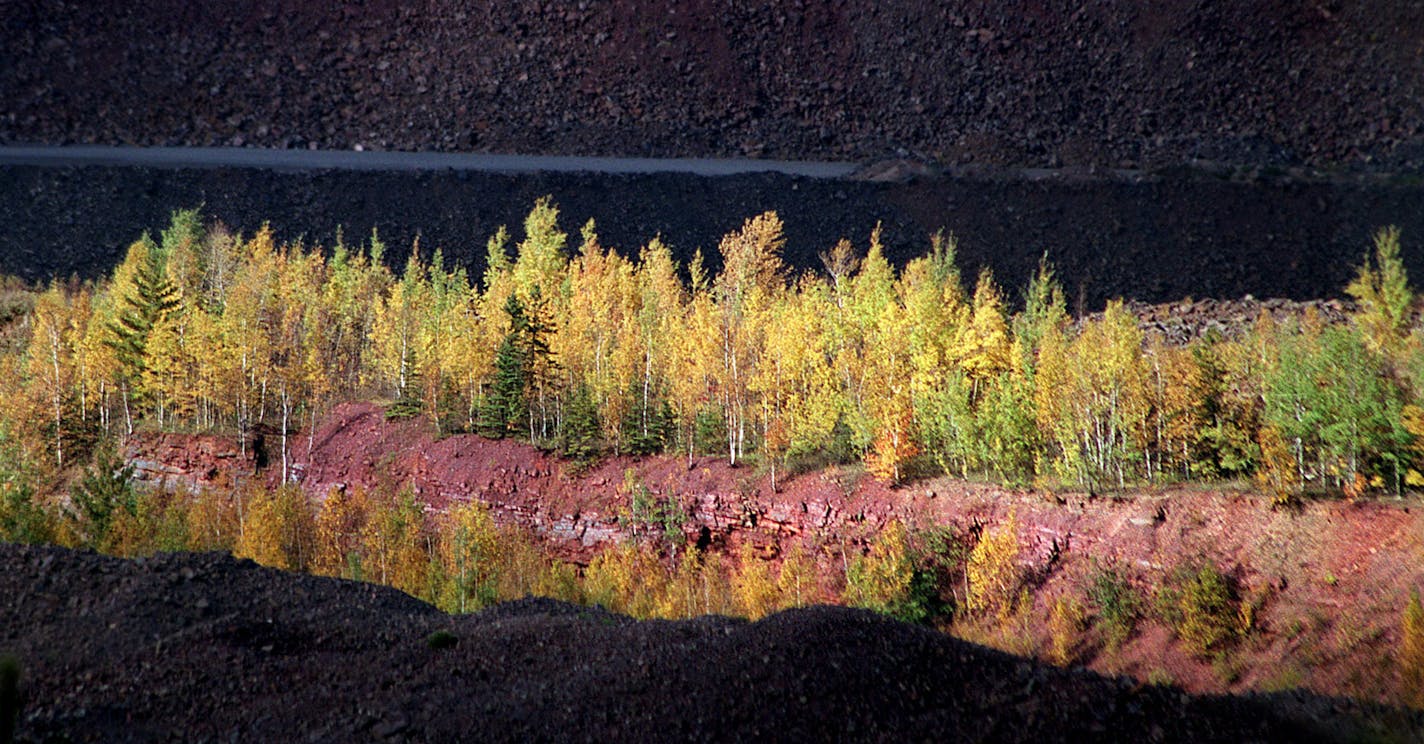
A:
<point x="1202" y="608"/>
<point x="880" y="580"/>
<point x="213" y="521"/>
<point x="526" y="569"/>
<point x="993" y="573"/>
<point x="1065" y="626"/>
<point x="22" y="518"/>
<point x="159" y="524"/>
<point x="895" y="579"/>
<point x="279" y="530"/>
<point x="1277" y="474"/>
<point x="754" y="588"/>
<point x="441" y="639"/>
<point x="648" y="514"/>
<point x="1411" y="652"/>
<point x="796" y="583"/>
<point x="1117" y="602"/>
<point x="1160" y="677"/>
<point x="625" y="579"/>
<point x="339" y="525"/>
<point x="698" y="586"/>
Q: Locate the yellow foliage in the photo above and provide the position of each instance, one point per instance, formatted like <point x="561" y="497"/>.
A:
<point x="470" y="557"/>
<point x="983" y="346"/>
<point x="1277" y="473"/>
<point x="160" y="524"/>
<point x="699" y="586"/>
<point x="339" y="526"/>
<point x="529" y="571"/>
<point x="626" y="579"/>
<point x="1411" y="651"/>
<point x="796" y="584"/>
<point x="213" y="521"/>
<point x="993" y="572"/>
<point x="1094" y="397"/>
<point x="397" y="545"/>
<point x="277" y="529"/>
<point x="1381" y="289"/>
<point x="1066" y="620"/>
<point x="751" y="257"/>
<point x="881" y="580"/>
<point x="754" y="588"/>
<point x="1203" y="609"/>
<point x="891" y="450"/>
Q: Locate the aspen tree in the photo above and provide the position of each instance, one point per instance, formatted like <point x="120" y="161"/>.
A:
<point x="983" y="346"/>
<point x="471" y="556"/>
<point x="244" y="363"/>
<point x="50" y="367"/>
<point x="1381" y="287"/>
<point x="752" y="271"/>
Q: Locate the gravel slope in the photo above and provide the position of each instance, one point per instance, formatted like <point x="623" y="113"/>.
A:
<point x="205" y="647"/>
<point x="1120" y="83"/>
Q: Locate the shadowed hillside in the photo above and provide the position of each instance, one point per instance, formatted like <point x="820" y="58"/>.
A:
<point x="211" y="647"/>
<point x="1116" y="84"/>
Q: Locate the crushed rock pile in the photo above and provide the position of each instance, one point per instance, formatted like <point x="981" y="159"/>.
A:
<point x="1120" y="84"/>
<point x="206" y="647"/>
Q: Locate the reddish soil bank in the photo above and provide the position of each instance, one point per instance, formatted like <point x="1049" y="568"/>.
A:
<point x="208" y="648"/>
<point x="1113" y="84"/>
<point x="1330" y="579"/>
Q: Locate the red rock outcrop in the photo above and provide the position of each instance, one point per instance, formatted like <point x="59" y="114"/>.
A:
<point x="188" y="462"/>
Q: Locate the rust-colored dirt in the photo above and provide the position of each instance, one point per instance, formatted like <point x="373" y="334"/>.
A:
<point x="1331" y="577"/>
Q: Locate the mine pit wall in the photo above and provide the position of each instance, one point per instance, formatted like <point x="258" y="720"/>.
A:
<point x="577" y="516"/>
<point x="1150" y="238"/>
<point x="1302" y="563"/>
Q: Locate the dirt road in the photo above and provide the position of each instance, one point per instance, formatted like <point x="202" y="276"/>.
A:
<point x="239" y="157"/>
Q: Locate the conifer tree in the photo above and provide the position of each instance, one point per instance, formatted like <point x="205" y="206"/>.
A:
<point x="102" y="496"/>
<point x="520" y="367"/>
<point x="649" y="425"/>
<point x="22" y="517"/>
<point x="579" y="435"/>
<point x="506" y="406"/>
<point x="146" y="302"/>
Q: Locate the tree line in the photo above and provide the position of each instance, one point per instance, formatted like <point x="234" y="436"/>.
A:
<point x="911" y="371"/>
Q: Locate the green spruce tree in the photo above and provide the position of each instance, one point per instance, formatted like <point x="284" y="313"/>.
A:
<point x="149" y="300"/>
<point x="580" y="432"/>
<point x="101" y="497"/>
<point x="649" y="424"/>
<point x="506" y="409"/>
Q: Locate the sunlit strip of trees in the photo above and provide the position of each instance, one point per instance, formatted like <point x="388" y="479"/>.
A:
<point x="568" y="344"/>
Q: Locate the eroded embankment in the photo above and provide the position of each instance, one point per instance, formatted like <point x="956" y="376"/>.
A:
<point x="185" y="646"/>
<point x="1326" y="583"/>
